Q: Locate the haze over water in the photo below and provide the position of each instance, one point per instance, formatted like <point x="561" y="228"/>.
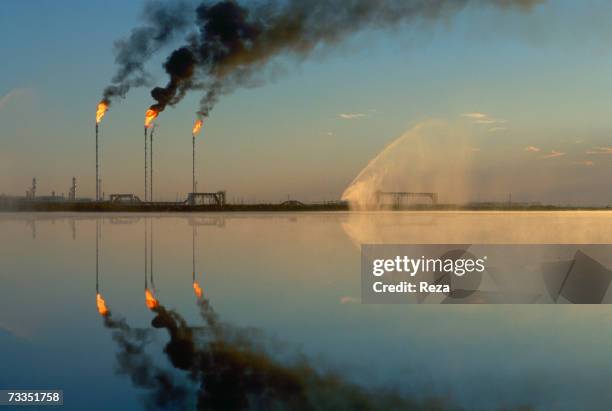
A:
<point x="294" y="279"/>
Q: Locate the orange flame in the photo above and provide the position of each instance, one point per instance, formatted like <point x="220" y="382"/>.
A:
<point x="102" y="309"/>
<point x="152" y="303"/>
<point x="197" y="289"/>
<point x="197" y="126"/>
<point x="150" y="115"/>
<point x="101" y="111"/>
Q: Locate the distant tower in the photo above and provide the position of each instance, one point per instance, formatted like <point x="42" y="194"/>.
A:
<point x="72" y="192"/>
<point x="31" y="193"/>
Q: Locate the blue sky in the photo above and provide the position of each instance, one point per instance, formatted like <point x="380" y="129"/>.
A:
<point x="541" y="79"/>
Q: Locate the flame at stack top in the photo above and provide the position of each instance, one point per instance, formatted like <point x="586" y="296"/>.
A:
<point x="102" y="309"/>
<point x="197" y="289"/>
<point x="150" y="299"/>
<point x="150" y="115"/>
<point x="101" y="111"/>
<point x="197" y="126"/>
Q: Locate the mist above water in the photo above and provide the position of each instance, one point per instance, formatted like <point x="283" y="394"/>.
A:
<point x="433" y="156"/>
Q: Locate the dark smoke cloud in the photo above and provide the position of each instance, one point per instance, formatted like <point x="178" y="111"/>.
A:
<point x="235" y="40"/>
<point x="162" y="23"/>
<point x="134" y="362"/>
<point x="231" y="370"/>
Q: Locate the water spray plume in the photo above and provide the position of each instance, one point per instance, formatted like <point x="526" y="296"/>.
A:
<point x="197" y="289"/>
<point x="101" y="111"/>
<point x="150" y="115"/>
<point x="197" y="126"/>
<point x="150" y="299"/>
<point x="433" y="156"/>
<point x="102" y="309"/>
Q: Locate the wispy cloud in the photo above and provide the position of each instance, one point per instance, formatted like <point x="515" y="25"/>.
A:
<point x="11" y="95"/>
<point x="475" y="116"/>
<point x="587" y="163"/>
<point x="554" y="154"/>
<point x="533" y="149"/>
<point x="483" y="118"/>
<point x="351" y="116"/>
<point x="348" y="300"/>
<point x="475" y="149"/>
<point x="600" y="150"/>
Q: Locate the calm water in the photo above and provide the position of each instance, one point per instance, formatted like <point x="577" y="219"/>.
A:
<point x="285" y="288"/>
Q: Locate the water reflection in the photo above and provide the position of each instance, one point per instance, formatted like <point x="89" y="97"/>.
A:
<point x="282" y="328"/>
<point x="572" y="227"/>
<point x="197" y="289"/>
<point x="223" y="367"/>
<point x="100" y="303"/>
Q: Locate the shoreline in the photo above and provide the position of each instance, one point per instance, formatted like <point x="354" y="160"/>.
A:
<point x="87" y="207"/>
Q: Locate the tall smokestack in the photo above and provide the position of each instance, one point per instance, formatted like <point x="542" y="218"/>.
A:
<point x="150" y="116"/>
<point x="97" y="167"/>
<point x="100" y="112"/>
<point x="151" y="162"/>
<point x="197" y="126"/>
<point x="146" y="184"/>
<point x="193" y="184"/>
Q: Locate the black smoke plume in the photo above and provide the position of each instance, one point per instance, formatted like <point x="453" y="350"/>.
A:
<point x="227" y="368"/>
<point x="162" y="23"/>
<point x="229" y="42"/>
<point x="235" y="40"/>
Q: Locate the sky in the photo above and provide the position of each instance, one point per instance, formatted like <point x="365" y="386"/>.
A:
<point x="533" y="89"/>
